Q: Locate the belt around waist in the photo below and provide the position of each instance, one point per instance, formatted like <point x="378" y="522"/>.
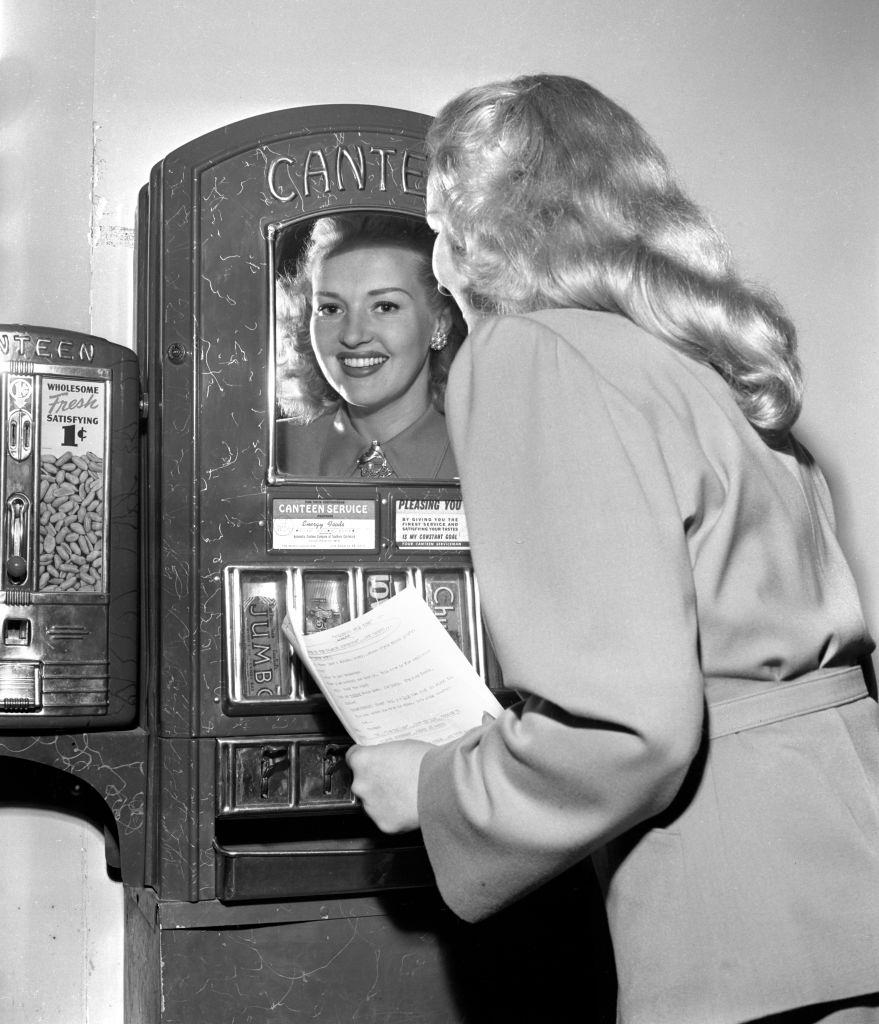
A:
<point x="816" y="691"/>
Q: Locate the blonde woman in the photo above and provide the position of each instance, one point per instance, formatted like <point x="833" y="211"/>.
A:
<point x="660" y="577"/>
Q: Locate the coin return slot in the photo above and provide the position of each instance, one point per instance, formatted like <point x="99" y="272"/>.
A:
<point x="17" y="632"/>
<point x="314" y="856"/>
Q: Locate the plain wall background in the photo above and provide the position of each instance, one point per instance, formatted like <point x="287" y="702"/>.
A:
<point x="768" y="109"/>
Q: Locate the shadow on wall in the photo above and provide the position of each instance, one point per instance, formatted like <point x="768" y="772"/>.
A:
<point x="28" y="784"/>
<point x="16" y="96"/>
<point x="16" y="89"/>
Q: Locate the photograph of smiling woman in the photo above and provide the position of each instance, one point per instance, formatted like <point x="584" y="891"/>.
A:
<point x="364" y="345"/>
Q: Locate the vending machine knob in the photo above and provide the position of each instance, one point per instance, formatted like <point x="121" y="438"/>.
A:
<point x="16" y="569"/>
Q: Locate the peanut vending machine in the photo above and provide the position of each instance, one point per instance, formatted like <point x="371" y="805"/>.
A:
<point x="143" y="620"/>
<point x="72" y="730"/>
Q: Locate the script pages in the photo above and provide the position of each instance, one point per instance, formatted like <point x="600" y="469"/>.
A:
<point x="394" y="673"/>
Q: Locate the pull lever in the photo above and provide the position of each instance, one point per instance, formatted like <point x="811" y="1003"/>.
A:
<point x="334" y="761"/>
<point x="272" y="759"/>
<point x="17" y="508"/>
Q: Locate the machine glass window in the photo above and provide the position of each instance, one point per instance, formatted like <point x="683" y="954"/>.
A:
<point x="362" y="345"/>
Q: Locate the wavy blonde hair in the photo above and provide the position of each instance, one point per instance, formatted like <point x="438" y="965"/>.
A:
<point x="554" y="196"/>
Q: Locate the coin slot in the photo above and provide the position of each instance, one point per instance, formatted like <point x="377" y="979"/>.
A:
<point x="19" y="434"/>
<point x="17" y="632"/>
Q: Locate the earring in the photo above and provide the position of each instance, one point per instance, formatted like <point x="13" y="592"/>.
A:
<point x="439" y="339"/>
<point x="441" y="288"/>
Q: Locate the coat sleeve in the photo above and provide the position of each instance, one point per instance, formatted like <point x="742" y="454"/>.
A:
<point x="580" y="552"/>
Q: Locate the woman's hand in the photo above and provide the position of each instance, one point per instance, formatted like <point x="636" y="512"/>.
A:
<point x="386" y="781"/>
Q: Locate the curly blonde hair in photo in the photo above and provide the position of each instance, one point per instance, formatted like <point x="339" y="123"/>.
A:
<point x="554" y="196"/>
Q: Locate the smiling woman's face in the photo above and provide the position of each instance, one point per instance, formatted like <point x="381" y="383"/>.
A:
<point x="371" y="323"/>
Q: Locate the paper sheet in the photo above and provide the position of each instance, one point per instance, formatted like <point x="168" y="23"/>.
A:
<point x="395" y="673"/>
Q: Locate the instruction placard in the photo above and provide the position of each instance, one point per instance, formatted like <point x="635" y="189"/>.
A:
<point x="308" y="524"/>
<point x="430" y="523"/>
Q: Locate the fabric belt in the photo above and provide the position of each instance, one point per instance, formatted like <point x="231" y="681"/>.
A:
<point x="815" y="691"/>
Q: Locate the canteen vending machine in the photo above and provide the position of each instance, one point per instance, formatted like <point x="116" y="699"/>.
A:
<point x="71" y="726"/>
<point x="152" y="545"/>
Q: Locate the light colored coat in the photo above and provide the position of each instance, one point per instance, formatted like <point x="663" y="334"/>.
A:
<point x="641" y="553"/>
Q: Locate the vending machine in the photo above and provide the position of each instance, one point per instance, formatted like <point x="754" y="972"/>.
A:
<point x="153" y="542"/>
<point x="72" y="729"/>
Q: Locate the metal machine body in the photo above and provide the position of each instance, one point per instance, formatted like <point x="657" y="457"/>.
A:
<point x="68" y="477"/>
<point x="71" y="713"/>
<point x="246" y="748"/>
